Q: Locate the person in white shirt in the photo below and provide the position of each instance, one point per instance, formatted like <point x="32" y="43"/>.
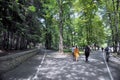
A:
<point x="73" y="48"/>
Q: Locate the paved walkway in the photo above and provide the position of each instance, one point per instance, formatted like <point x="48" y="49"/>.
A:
<point x="51" y="66"/>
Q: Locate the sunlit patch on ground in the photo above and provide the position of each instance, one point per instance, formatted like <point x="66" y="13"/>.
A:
<point x="61" y="67"/>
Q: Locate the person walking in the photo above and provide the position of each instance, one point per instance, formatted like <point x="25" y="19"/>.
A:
<point x="87" y="53"/>
<point x="73" y="48"/>
<point x="76" y="53"/>
<point x="107" y="53"/>
<point x="102" y="49"/>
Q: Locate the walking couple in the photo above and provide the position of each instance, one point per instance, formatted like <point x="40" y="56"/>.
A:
<point x="75" y="53"/>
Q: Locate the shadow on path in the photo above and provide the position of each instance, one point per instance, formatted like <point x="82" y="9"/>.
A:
<point x="60" y="67"/>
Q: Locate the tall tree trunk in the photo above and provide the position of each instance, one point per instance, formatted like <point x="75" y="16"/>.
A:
<point x="26" y="43"/>
<point x="60" y="26"/>
<point x="48" y="39"/>
<point x="2" y="39"/>
<point x="16" y="42"/>
<point x="12" y="40"/>
<point x="5" y="40"/>
<point x="112" y="29"/>
<point x="116" y="26"/>
<point x="22" y="43"/>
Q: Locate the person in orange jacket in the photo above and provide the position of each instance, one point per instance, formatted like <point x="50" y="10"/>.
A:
<point x="76" y="53"/>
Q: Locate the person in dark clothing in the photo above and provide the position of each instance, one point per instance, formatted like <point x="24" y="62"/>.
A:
<point x="1" y="77"/>
<point x="107" y="53"/>
<point x="102" y="49"/>
<point x="87" y="53"/>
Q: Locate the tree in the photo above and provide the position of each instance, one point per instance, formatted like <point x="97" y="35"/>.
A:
<point x="60" y="5"/>
<point x="113" y="20"/>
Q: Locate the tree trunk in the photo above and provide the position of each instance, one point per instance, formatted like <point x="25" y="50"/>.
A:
<point x="2" y="39"/>
<point x="5" y="40"/>
<point x="60" y="41"/>
<point x="48" y="39"/>
<point x="22" y="43"/>
<point x="60" y="26"/>
<point x="116" y="22"/>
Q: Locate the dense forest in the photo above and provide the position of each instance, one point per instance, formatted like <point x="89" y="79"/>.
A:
<point x="59" y="24"/>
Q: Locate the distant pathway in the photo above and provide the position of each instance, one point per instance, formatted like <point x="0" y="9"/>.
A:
<point x="51" y="66"/>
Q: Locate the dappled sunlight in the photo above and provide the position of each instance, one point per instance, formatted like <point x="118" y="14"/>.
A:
<point x="60" y="25"/>
<point x="101" y="78"/>
<point x="62" y="67"/>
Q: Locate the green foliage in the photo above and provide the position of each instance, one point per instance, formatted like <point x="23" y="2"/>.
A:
<point x="81" y="21"/>
<point x="16" y="0"/>
<point x="17" y="21"/>
<point x="32" y="8"/>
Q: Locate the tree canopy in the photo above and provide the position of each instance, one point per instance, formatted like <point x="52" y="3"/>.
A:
<point x="59" y="24"/>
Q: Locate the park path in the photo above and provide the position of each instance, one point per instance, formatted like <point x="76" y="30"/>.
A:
<point x="53" y="66"/>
